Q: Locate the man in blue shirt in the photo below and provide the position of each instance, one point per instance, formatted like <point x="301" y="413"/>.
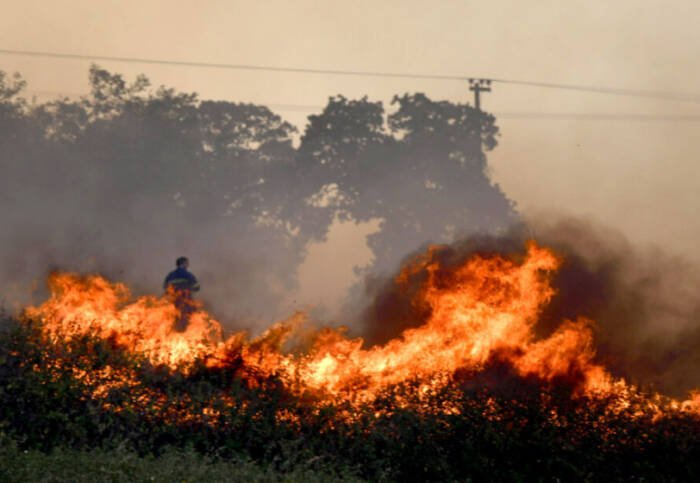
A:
<point x="179" y="284"/>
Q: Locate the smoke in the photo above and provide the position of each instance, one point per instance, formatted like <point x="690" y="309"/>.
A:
<point x="127" y="179"/>
<point x="138" y="245"/>
<point x="644" y="301"/>
<point x="124" y="181"/>
<point x="67" y="222"/>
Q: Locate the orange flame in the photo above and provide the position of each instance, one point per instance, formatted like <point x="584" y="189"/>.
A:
<point x="486" y="307"/>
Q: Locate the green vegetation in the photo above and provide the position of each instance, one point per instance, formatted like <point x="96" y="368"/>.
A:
<point x="120" y="465"/>
<point x="230" y="424"/>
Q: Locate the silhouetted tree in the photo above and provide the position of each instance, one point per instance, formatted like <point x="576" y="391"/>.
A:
<point x="115" y="178"/>
<point x="422" y="171"/>
<point x="129" y="171"/>
<point x="341" y="153"/>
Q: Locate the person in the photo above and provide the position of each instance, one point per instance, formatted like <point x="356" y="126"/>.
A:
<point x="179" y="284"/>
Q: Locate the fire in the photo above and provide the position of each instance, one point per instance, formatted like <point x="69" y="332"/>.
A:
<point x="484" y="308"/>
<point x="91" y="305"/>
<point x="488" y="305"/>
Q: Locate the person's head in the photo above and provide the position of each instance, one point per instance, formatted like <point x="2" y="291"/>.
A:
<point x="182" y="262"/>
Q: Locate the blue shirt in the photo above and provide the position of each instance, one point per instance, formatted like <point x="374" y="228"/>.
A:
<point x="181" y="280"/>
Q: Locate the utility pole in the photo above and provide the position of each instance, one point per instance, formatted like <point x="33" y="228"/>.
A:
<point x="479" y="86"/>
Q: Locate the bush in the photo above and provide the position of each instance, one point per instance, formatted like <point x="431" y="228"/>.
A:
<point x="58" y="424"/>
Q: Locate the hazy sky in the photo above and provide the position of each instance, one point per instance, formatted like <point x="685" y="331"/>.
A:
<point x="639" y="176"/>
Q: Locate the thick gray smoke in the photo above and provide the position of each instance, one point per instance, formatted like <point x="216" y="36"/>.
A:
<point x="239" y="272"/>
<point x="644" y="300"/>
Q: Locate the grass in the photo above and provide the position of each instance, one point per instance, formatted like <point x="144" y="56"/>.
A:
<point x="120" y="465"/>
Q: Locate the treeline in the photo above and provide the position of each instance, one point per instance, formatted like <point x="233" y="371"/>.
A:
<point x="129" y="172"/>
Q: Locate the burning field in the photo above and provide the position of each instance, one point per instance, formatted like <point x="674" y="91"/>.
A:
<point x="473" y="390"/>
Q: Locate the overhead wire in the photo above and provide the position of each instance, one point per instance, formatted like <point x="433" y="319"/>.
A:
<point x="503" y="115"/>
<point x="672" y="96"/>
<point x="515" y="115"/>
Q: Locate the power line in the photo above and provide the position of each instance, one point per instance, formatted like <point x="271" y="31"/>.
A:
<point x="299" y="70"/>
<point x="598" y="116"/>
<point x="524" y="115"/>
<point x="682" y="97"/>
<point x="670" y="96"/>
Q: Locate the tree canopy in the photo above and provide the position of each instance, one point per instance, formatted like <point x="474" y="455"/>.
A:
<point x="129" y="172"/>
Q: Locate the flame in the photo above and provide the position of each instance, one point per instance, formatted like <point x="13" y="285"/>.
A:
<point x="92" y="305"/>
<point x="484" y="308"/>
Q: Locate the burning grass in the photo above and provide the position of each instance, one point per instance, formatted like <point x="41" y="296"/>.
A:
<point x="470" y="393"/>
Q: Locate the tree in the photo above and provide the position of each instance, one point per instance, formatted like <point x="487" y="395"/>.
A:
<point x="422" y="171"/>
<point x="129" y="171"/>
<point x="109" y="180"/>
